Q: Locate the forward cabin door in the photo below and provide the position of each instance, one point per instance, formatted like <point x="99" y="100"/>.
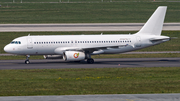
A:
<point x="29" y="43"/>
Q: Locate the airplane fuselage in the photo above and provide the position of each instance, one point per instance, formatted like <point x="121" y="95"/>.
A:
<point x="48" y="45"/>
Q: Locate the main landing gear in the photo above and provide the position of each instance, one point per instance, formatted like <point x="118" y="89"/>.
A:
<point x="89" y="59"/>
<point x="27" y="59"/>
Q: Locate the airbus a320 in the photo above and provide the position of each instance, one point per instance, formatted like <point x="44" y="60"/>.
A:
<point x="81" y="47"/>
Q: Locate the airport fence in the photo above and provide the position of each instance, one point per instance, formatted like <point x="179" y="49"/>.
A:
<point x="81" y="1"/>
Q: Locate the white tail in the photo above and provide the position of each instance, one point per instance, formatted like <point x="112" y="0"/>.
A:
<point x="155" y="23"/>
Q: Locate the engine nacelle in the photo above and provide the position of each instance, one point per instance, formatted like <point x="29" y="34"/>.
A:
<point x="73" y="56"/>
<point x="52" y="56"/>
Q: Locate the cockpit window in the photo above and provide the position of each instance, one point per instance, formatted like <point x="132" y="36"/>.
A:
<point x="12" y="42"/>
<point x="16" y="42"/>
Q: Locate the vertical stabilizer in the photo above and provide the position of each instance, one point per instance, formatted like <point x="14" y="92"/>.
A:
<point x="155" y="23"/>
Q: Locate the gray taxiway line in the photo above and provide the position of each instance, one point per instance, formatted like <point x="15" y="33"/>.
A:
<point x="108" y="97"/>
<point x="81" y="27"/>
<point x="155" y="52"/>
<point x="99" y="63"/>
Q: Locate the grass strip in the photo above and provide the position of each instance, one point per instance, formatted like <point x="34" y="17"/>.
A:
<point x="108" y="12"/>
<point x="89" y="81"/>
<point x="79" y="1"/>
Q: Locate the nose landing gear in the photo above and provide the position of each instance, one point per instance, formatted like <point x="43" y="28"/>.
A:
<point x="27" y="59"/>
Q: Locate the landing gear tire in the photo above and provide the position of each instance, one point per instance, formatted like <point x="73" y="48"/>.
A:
<point x="90" y="61"/>
<point x="27" y="59"/>
<point x="27" y="62"/>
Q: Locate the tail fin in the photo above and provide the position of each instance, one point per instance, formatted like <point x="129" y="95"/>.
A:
<point x="155" y="23"/>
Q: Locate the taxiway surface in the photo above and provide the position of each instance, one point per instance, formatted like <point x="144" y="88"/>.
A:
<point x="80" y="27"/>
<point x="99" y="63"/>
<point x="110" y="97"/>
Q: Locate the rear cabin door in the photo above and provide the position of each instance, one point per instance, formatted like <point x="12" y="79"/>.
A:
<point x="138" y="44"/>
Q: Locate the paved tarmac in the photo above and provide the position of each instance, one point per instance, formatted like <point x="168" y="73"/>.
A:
<point x="80" y="27"/>
<point x="155" y="52"/>
<point x="99" y="63"/>
<point x="110" y="97"/>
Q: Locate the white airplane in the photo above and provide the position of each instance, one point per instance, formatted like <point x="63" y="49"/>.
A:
<point x="81" y="47"/>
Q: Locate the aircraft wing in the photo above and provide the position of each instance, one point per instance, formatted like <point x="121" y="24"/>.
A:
<point x="91" y="49"/>
<point x="103" y="47"/>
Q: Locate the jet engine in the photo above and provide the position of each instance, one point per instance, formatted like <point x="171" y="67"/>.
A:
<point x="52" y="56"/>
<point x="73" y="56"/>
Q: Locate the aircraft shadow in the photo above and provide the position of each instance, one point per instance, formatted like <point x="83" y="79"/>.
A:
<point x="110" y="62"/>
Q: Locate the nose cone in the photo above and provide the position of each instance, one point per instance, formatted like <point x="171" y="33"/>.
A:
<point x="7" y="49"/>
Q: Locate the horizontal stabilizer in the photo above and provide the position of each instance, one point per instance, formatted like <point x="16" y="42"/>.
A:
<point x="160" y="38"/>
